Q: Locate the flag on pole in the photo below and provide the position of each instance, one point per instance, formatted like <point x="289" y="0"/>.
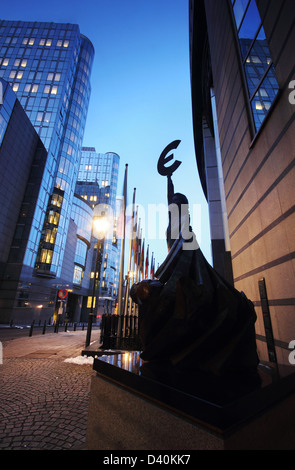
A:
<point x="135" y="239"/>
<point x="152" y="273"/>
<point x="142" y="258"/>
<point x="146" y="263"/>
<point x="138" y="251"/>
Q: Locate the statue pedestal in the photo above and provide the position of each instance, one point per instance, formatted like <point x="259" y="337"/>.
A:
<point x="140" y="406"/>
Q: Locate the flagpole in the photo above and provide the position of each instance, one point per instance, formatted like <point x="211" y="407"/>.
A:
<point x="139" y="257"/>
<point x="120" y="290"/>
<point x="130" y="255"/>
<point x="146" y="267"/>
<point x="134" y="255"/>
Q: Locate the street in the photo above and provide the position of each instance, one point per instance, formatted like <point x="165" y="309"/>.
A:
<point x="44" y="400"/>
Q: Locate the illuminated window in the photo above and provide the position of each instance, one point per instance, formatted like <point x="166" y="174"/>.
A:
<point x="59" y="43"/>
<point x="19" y="75"/>
<point x="56" y="199"/>
<point x="78" y="275"/>
<point x="15" y="86"/>
<point x="47" y="117"/>
<point x="39" y="116"/>
<point x="50" y="76"/>
<point x="42" y="42"/>
<point x="46" y="256"/>
<point x="57" y="77"/>
<point x="34" y="88"/>
<point x="23" y="63"/>
<point x="25" y="41"/>
<point x="31" y="42"/>
<point x="27" y="87"/>
<point x="259" y="106"/>
<point x="46" y="89"/>
<point x="48" y="42"/>
<point x="54" y="90"/>
<point x="89" y="302"/>
<point x="66" y="44"/>
<point x="53" y="217"/>
<point x="16" y="62"/>
<point x="50" y="235"/>
<point x="12" y="74"/>
<point x="5" y="62"/>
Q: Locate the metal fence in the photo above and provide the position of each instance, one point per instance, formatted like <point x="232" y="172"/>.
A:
<point x="120" y="332"/>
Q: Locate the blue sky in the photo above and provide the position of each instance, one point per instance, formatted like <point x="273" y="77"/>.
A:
<point x="140" y="98"/>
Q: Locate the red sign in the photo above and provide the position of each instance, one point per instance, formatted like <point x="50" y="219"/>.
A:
<point x="62" y="294"/>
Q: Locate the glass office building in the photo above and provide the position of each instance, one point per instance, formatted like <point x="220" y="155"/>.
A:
<point x="48" y="66"/>
<point x="97" y="184"/>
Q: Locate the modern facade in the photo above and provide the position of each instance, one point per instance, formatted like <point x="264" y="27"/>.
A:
<point x="48" y="66"/>
<point x="97" y="184"/>
<point x="241" y="70"/>
<point x="22" y="161"/>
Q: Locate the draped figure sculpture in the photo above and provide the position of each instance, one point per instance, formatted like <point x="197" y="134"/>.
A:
<point x="189" y="315"/>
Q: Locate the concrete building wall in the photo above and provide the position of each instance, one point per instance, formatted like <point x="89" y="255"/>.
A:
<point x="259" y="170"/>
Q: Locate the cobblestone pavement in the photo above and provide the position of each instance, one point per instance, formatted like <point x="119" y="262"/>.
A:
<point x="44" y="400"/>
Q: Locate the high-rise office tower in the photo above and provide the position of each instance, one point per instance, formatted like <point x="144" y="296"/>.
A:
<point x="97" y="184"/>
<point x="48" y="66"/>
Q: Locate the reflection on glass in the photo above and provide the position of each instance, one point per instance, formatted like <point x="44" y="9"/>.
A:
<point x="77" y="278"/>
<point x="264" y="97"/>
<point x="256" y="63"/>
<point x="239" y="10"/>
<point x="260" y="74"/>
<point x="251" y="22"/>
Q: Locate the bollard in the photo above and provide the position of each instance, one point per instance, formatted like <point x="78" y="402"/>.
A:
<point x="56" y="326"/>
<point x="75" y="326"/>
<point x="89" y="329"/>
<point x="44" y="328"/>
<point x="82" y="326"/>
<point x="31" y="329"/>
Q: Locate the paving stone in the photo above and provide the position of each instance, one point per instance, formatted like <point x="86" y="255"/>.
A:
<point x="44" y="400"/>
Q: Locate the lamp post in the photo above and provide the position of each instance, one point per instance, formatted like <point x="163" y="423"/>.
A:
<point x="99" y="229"/>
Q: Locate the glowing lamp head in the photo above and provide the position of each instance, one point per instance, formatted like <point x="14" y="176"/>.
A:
<point x="100" y="226"/>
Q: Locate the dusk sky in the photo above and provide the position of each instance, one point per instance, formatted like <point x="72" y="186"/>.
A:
<point x="141" y="96"/>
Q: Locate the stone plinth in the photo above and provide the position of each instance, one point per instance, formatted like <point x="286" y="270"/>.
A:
<point x="140" y="406"/>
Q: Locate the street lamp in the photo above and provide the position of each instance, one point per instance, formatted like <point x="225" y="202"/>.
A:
<point x="100" y="226"/>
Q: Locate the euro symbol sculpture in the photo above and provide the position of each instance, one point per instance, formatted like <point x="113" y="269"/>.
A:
<point x="164" y="159"/>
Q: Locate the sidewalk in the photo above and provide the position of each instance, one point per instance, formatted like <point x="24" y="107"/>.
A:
<point x="44" y="390"/>
<point x="62" y="344"/>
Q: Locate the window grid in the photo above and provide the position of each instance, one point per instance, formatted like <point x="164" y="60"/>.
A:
<point x="257" y="63"/>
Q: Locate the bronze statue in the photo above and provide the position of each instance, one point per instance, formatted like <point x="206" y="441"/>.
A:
<point x="189" y="316"/>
